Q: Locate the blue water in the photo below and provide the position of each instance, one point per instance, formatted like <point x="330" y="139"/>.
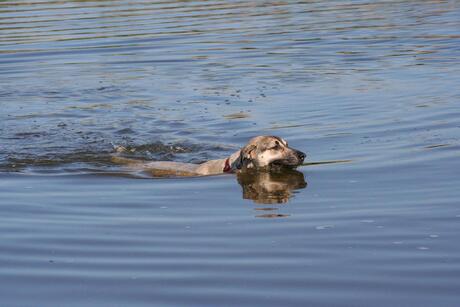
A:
<point x="372" y="82"/>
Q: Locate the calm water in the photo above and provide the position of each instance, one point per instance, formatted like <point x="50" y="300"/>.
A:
<point x="375" y="82"/>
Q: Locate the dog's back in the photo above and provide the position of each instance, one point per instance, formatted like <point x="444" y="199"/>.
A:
<point x="159" y="168"/>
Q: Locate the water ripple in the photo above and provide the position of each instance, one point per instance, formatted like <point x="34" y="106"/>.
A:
<point x="374" y="82"/>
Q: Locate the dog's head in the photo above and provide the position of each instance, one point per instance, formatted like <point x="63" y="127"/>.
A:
<point x="269" y="152"/>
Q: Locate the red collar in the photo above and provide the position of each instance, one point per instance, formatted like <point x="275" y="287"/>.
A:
<point x="227" y="167"/>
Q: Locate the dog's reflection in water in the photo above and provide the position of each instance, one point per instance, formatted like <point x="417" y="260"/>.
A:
<point x="271" y="187"/>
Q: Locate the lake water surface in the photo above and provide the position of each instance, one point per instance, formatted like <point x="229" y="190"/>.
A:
<point x="373" y="82"/>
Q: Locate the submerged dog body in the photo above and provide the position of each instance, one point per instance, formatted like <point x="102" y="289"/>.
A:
<point x="261" y="152"/>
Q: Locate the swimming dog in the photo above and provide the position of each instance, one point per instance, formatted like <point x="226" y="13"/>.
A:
<point x="260" y="153"/>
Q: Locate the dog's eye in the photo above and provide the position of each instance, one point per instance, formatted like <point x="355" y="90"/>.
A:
<point x="276" y="146"/>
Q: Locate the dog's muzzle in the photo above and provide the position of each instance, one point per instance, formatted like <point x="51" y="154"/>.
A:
<point x="300" y="155"/>
<point x="294" y="159"/>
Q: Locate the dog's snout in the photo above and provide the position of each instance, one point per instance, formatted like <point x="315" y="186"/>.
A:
<point x="301" y="155"/>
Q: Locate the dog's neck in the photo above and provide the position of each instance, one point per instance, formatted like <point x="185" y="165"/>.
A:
<point x="227" y="166"/>
<point x="230" y="164"/>
<point x="214" y="167"/>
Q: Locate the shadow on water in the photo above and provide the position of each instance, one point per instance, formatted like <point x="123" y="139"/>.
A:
<point x="271" y="187"/>
<point x="266" y="189"/>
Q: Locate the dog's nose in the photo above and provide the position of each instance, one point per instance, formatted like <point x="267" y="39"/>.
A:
<point x="301" y="155"/>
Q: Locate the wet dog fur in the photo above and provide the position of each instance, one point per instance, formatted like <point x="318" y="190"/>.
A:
<point x="260" y="153"/>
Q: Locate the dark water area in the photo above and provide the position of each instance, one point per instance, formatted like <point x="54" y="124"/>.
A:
<point x="373" y="82"/>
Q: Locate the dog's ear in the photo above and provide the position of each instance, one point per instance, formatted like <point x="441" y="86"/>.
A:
<point x="245" y="155"/>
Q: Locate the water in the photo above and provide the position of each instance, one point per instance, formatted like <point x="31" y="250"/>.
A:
<point x="374" y="82"/>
